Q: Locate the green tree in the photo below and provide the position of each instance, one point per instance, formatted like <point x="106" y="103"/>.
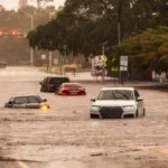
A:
<point x="83" y="26"/>
<point x="147" y="51"/>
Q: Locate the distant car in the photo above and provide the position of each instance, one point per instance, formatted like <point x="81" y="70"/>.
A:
<point x="117" y="102"/>
<point x="3" y="64"/>
<point x="31" y="101"/>
<point x="51" y="84"/>
<point x="71" y="89"/>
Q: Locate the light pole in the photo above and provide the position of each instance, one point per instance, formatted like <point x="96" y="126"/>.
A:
<point x="50" y="52"/>
<point x="103" y="53"/>
<point x="119" y="32"/>
<point x="31" y="27"/>
<point x="119" y="21"/>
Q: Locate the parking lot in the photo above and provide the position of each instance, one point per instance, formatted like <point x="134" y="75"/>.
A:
<point x="65" y="136"/>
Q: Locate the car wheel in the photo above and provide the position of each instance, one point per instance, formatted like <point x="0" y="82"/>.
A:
<point x="93" y="116"/>
<point x="137" y="114"/>
<point x="42" y="89"/>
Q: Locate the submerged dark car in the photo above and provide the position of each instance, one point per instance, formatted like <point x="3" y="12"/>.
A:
<point x="32" y="101"/>
<point x="51" y="84"/>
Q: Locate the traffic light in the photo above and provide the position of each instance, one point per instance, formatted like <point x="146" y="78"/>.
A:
<point x="1" y="34"/>
<point x="13" y="33"/>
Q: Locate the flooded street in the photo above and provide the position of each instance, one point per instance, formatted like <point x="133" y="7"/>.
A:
<point x="66" y="137"/>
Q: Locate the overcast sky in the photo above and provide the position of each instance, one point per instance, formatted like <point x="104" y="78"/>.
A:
<point x="13" y="4"/>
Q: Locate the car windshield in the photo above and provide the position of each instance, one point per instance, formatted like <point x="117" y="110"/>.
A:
<point x="115" y="95"/>
<point x="72" y="86"/>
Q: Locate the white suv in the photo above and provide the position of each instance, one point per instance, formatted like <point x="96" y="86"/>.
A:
<point x="117" y="102"/>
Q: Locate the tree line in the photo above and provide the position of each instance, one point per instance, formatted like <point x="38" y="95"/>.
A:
<point x="16" y="50"/>
<point x="83" y="26"/>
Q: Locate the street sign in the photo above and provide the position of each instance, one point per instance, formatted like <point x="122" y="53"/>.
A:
<point x="124" y="63"/>
<point x="43" y="56"/>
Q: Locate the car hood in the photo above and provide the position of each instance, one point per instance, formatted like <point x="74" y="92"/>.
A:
<point x="114" y="102"/>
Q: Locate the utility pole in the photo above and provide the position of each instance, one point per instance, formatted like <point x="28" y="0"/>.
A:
<point x="50" y="52"/>
<point x="31" y="27"/>
<point x="119" y="32"/>
<point x="103" y="53"/>
<point x="31" y="49"/>
<point x="119" y="21"/>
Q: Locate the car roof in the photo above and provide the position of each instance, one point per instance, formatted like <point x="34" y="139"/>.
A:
<point x="25" y="96"/>
<point x="118" y="88"/>
<point x="71" y="83"/>
<point x="57" y="76"/>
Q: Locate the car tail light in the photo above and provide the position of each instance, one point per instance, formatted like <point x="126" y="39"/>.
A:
<point x="65" y="91"/>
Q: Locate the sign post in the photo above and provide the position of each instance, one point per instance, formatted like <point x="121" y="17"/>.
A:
<point x="123" y="67"/>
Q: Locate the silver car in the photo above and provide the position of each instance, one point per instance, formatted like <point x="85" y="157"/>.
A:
<point x="117" y="102"/>
<point x="28" y="101"/>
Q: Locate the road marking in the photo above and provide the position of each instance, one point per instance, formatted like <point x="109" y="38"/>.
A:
<point x="22" y="164"/>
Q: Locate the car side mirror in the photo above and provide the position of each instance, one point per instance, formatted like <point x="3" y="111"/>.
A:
<point x="40" y="83"/>
<point x="10" y="102"/>
<point x="93" y="99"/>
<point x="44" y="100"/>
<point x="139" y="99"/>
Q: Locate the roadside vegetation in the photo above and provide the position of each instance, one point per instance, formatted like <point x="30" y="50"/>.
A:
<point x="82" y="27"/>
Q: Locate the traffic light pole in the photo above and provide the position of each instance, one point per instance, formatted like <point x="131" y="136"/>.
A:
<point x="31" y="49"/>
<point x="32" y="27"/>
<point x="50" y="52"/>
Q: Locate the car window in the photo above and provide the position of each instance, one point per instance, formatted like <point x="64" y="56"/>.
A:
<point x="11" y="99"/>
<point x="54" y="80"/>
<point x="65" y="80"/>
<point x="33" y="99"/>
<point x="72" y="86"/>
<point x="45" y="80"/>
<point x="115" y="95"/>
<point x="21" y="100"/>
<point x="39" y="99"/>
<point x="58" y="80"/>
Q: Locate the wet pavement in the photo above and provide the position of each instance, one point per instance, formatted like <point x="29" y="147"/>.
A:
<point x="65" y="136"/>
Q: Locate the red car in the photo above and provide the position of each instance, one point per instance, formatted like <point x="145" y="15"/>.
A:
<point x="71" y="89"/>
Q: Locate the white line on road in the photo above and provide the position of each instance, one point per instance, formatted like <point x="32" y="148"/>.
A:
<point x="22" y="164"/>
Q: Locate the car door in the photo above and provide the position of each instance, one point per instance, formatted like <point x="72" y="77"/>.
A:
<point x="20" y="102"/>
<point x="55" y="82"/>
<point x="139" y="102"/>
<point x="33" y="102"/>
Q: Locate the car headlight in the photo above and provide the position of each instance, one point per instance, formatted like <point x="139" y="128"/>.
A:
<point x="95" y="108"/>
<point x="44" y="107"/>
<point x="128" y="108"/>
